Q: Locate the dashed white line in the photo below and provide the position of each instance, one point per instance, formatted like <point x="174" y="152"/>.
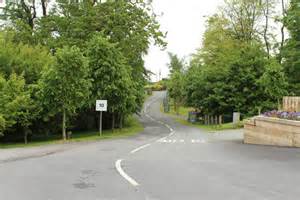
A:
<point x="139" y="148"/>
<point x="124" y="175"/>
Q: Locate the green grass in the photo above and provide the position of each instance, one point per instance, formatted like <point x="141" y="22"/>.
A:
<point x="227" y="126"/>
<point x="132" y="127"/>
<point x="183" y="114"/>
<point x="182" y="111"/>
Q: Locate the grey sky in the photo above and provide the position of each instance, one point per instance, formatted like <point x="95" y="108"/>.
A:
<point x="185" y="23"/>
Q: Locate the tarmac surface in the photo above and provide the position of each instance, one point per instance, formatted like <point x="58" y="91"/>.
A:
<point x="167" y="161"/>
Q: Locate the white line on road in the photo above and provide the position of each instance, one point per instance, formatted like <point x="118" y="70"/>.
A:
<point x="124" y="175"/>
<point x="172" y="133"/>
<point x="140" y="148"/>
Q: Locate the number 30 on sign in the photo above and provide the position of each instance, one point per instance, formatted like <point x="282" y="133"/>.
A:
<point x="101" y="105"/>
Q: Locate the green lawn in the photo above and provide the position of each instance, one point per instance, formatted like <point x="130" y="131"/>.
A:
<point x="221" y="127"/>
<point x="132" y="127"/>
<point x="182" y="119"/>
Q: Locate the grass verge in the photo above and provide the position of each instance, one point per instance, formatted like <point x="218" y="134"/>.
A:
<point x="132" y="127"/>
<point x="227" y="126"/>
<point x="183" y="114"/>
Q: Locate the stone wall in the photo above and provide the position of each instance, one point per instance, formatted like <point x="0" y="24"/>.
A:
<point x="272" y="131"/>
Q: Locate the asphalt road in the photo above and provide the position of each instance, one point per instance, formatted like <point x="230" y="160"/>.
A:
<point x="167" y="161"/>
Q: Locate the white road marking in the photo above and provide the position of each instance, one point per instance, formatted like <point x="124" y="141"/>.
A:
<point x="172" y="133"/>
<point x="161" y="139"/>
<point x="124" y="175"/>
<point x="139" y="148"/>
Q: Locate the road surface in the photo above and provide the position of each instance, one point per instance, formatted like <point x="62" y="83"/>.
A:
<point x="168" y="161"/>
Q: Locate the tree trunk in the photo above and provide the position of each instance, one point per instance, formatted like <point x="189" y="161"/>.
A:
<point x="44" y="7"/>
<point x="282" y="31"/>
<point x="64" y="134"/>
<point x="176" y="106"/>
<point x="121" y="121"/>
<point x="25" y="136"/>
<point x="266" y="13"/>
<point x="113" y="122"/>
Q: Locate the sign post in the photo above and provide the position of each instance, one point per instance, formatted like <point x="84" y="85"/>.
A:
<point x="101" y="105"/>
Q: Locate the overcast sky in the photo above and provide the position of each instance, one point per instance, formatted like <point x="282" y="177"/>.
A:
<point x="184" y="20"/>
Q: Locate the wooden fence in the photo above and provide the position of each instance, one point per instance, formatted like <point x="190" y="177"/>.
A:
<point x="291" y="104"/>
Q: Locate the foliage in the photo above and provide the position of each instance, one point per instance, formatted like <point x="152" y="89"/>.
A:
<point x="230" y="73"/>
<point x="111" y="76"/>
<point x="65" y="86"/>
<point x="114" y="37"/>
<point x="291" y="50"/>
<point x="274" y="82"/>
<point x="2" y="125"/>
<point x="175" y="83"/>
<point x="16" y="105"/>
<point x="22" y="58"/>
<point x="157" y="86"/>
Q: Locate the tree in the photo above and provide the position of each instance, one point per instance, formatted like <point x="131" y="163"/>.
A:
<point x="175" y="84"/>
<point x="175" y="88"/>
<point x="22" y="58"/>
<point x="274" y="82"/>
<point x="176" y="64"/>
<point x="291" y="51"/>
<point x="2" y="125"/>
<point x="65" y="87"/>
<point x="111" y="77"/>
<point x="223" y="74"/>
<point x="17" y="108"/>
<point x="244" y="17"/>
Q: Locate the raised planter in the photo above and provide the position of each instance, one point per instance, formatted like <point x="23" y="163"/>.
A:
<point x="272" y="131"/>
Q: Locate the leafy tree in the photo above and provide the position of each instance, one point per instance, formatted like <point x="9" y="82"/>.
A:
<point x="65" y="87"/>
<point x="111" y="77"/>
<point x="223" y="74"/>
<point x="175" y="84"/>
<point x="22" y="58"/>
<point x="176" y="64"/>
<point x="17" y="108"/>
<point x="2" y="125"/>
<point x="291" y="51"/>
<point x="244" y="17"/>
<point x="274" y="82"/>
<point x="175" y="88"/>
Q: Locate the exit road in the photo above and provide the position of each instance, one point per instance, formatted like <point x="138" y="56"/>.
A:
<point x="167" y="161"/>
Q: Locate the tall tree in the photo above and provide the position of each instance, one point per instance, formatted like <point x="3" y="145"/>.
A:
<point x="175" y="84"/>
<point x="111" y="77"/>
<point x="17" y="109"/>
<point x="274" y="82"/>
<point x="65" y="87"/>
<point x="244" y="17"/>
<point x="291" y="51"/>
